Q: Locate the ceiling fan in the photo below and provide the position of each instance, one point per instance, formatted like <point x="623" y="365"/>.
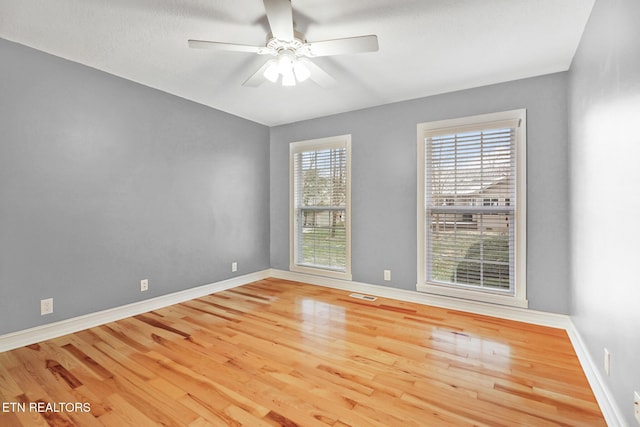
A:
<point x="290" y="51"/>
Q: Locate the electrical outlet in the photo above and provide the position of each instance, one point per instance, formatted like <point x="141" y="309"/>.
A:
<point x="46" y="306"/>
<point x="607" y="361"/>
<point x="144" y="285"/>
<point x="636" y="405"/>
<point x="234" y="267"/>
<point x="387" y="275"/>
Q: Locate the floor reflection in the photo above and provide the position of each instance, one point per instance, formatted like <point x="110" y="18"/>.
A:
<point x="470" y="346"/>
<point x="319" y="319"/>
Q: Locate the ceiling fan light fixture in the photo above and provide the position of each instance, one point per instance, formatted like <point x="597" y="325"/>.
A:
<point x="285" y="62"/>
<point x="272" y="72"/>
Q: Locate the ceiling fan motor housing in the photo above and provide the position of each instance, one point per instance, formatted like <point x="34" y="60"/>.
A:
<point x="298" y="45"/>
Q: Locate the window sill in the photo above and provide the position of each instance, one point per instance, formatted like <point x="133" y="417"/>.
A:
<point x="473" y="295"/>
<point x="321" y="272"/>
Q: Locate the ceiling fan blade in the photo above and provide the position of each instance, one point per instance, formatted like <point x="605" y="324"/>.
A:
<point x="258" y="77"/>
<point x="203" y="44"/>
<point x="318" y="75"/>
<point x="280" y="16"/>
<point x="343" y="46"/>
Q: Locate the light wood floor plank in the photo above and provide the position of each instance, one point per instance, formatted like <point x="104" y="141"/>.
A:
<point x="276" y="352"/>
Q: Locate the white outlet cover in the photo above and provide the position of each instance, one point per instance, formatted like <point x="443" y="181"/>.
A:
<point x="46" y="306"/>
<point x="144" y="285"/>
<point x="607" y="361"/>
<point x="636" y="406"/>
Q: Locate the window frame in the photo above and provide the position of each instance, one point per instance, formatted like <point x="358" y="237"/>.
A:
<point x="518" y="296"/>
<point x="341" y="141"/>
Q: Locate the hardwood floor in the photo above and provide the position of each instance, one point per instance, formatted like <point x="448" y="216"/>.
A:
<point x="284" y="353"/>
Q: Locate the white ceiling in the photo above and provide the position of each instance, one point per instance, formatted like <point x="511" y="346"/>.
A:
<point x="426" y="46"/>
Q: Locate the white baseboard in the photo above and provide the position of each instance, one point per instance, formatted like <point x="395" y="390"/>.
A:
<point x="611" y="412"/>
<point x="69" y="326"/>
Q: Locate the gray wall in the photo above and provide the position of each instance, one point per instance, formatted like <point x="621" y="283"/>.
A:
<point x="104" y="182"/>
<point x="604" y="151"/>
<point x="384" y="182"/>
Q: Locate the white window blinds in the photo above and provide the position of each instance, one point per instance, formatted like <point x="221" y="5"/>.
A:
<point x="320" y="204"/>
<point x="470" y="206"/>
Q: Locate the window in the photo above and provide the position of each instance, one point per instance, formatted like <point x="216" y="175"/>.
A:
<point x="320" y="207"/>
<point x="471" y="208"/>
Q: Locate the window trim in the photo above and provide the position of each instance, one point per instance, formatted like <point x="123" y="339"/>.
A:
<point x="519" y="297"/>
<point x="341" y="141"/>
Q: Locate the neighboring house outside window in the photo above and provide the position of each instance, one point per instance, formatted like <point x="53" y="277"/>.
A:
<point x="472" y="206"/>
<point x="320" y="193"/>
